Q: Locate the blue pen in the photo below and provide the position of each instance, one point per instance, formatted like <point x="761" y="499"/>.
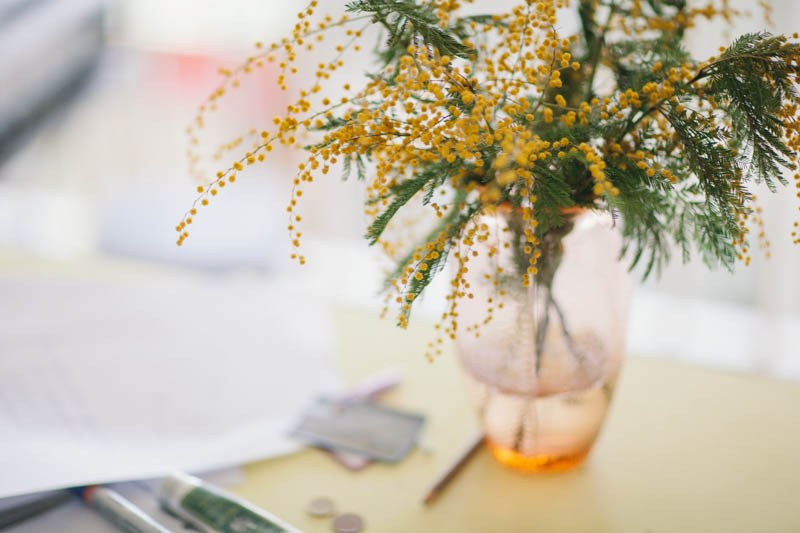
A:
<point x="119" y="511"/>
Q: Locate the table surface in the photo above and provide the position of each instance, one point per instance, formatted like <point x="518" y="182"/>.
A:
<point x="684" y="449"/>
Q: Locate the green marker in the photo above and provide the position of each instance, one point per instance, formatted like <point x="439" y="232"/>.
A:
<point x="212" y="510"/>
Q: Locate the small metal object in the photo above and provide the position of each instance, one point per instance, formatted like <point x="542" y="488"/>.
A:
<point x="321" y="507"/>
<point x="348" y="523"/>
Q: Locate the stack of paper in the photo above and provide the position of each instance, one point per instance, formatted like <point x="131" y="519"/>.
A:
<point x="130" y="377"/>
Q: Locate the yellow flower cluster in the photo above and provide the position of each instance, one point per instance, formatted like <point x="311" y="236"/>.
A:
<point x="429" y="108"/>
<point x="304" y="36"/>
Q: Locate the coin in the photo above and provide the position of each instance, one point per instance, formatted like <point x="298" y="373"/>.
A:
<point x="320" y="507"/>
<point x="348" y="523"/>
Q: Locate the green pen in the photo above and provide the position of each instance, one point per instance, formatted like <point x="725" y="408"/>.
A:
<point x="212" y="510"/>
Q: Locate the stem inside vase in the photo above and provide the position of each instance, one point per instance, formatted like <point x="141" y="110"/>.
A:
<point x="551" y="247"/>
<point x="542" y="371"/>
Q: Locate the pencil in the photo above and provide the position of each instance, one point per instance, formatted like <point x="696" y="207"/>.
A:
<point x="31" y="508"/>
<point x="450" y="472"/>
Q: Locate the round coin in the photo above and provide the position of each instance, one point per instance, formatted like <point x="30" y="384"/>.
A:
<point x="320" y="507"/>
<point x="348" y="523"/>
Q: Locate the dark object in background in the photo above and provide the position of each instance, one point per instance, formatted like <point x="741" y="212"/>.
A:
<point x="19" y="508"/>
<point x="48" y="48"/>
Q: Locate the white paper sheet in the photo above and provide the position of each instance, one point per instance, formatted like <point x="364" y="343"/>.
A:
<point x="124" y="378"/>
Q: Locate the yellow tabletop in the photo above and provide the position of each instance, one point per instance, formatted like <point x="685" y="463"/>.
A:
<point x="684" y="449"/>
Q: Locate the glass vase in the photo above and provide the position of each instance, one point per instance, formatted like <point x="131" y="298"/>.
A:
<point x="543" y="363"/>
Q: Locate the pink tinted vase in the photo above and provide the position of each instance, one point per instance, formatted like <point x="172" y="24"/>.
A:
<point x="542" y="370"/>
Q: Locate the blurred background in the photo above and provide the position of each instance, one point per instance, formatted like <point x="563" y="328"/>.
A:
<point x="95" y="99"/>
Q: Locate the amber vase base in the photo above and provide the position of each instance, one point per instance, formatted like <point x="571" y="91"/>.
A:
<point x="536" y="463"/>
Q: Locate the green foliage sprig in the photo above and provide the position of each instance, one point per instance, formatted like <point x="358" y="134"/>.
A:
<point x="500" y="113"/>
